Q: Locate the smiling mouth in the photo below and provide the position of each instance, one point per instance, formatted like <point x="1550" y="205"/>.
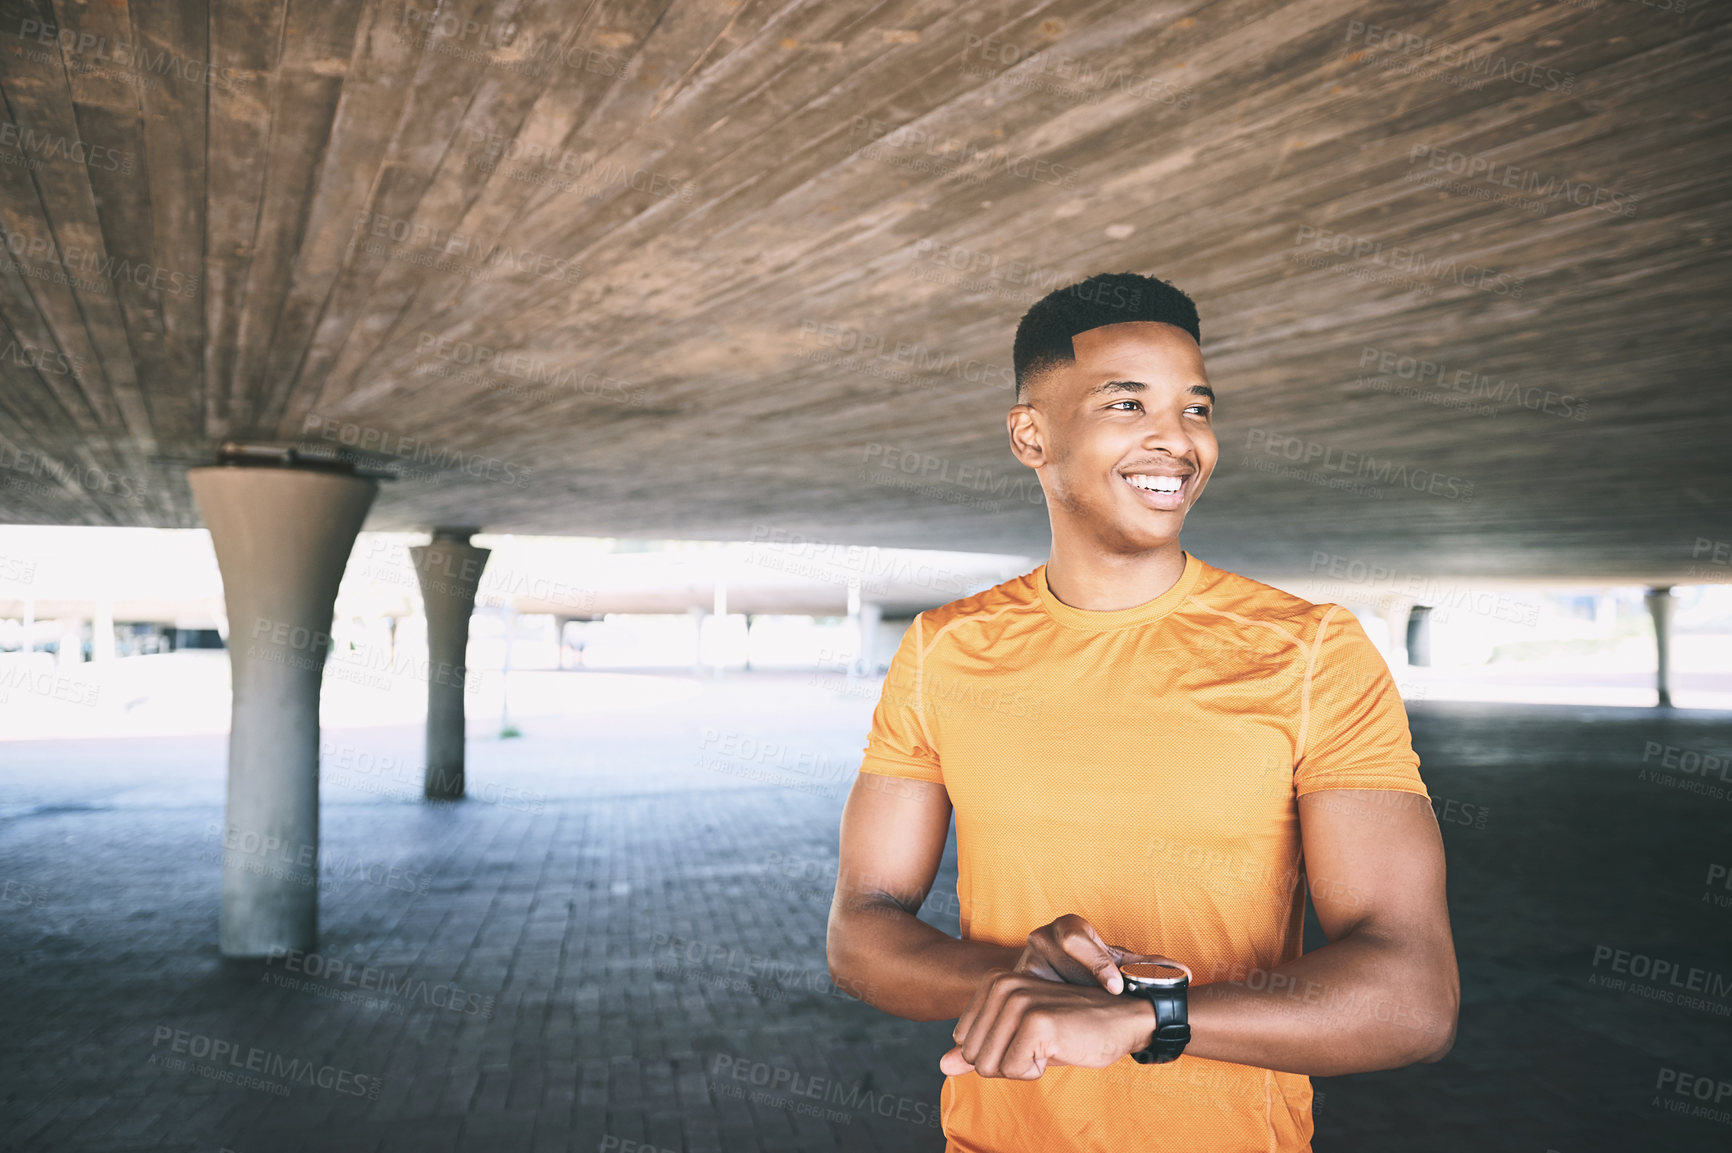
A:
<point x="1159" y="490"/>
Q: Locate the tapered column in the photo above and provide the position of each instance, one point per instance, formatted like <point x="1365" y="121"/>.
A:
<point x="102" y="632"/>
<point x="71" y="641"/>
<point x="698" y="614"/>
<point x="1419" y="636"/>
<point x="449" y="569"/>
<point x="867" y="620"/>
<point x="1397" y="614"/>
<point x="282" y="536"/>
<point x="1660" y="608"/>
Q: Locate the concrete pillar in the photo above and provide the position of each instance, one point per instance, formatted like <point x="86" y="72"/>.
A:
<point x="102" y="632"/>
<point x="871" y="614"/>
<point x="449" y="569"/>
<point x="698" y="614"/>
<point x="1419" y="636"/>
<point x="71" y="641"/>
<point x="559" y="624"/>
<point x="853" y="618"/>
<point x="1397" y="614"/>
<point x="718" y="630"/>
<point x="1660" y="608"/>
<point x="282" y="536"/>
<point x="508" y="613"/>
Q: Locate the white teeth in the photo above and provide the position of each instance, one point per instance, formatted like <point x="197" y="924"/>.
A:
<point x="1168" y="484"/>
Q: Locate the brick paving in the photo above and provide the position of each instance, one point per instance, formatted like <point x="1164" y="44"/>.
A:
<point x="625" y="926"/>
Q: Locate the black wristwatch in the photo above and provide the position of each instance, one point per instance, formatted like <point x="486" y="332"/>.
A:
<point x="1165" y="985"/>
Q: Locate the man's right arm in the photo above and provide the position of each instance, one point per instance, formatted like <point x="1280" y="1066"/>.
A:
<point x="893" y="834"/>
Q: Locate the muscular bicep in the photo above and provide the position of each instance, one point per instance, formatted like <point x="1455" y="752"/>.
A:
<point x="1374" y="863"/>
<point x="893" y="834"/>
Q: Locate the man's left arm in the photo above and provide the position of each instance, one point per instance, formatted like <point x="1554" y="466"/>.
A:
<point x="1382" y="994"/>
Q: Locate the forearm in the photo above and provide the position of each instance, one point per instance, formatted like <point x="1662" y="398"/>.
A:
<point x="1354" y="1006"/>
<point x="894" y="961"/>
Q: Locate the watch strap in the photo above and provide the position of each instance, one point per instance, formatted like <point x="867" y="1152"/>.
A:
<point x="1172" y="1026"/>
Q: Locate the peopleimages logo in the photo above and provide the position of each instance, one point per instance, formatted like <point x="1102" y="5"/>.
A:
<point x="1476" y="68"/>
<point x="521" y="366"/>
<point x="1661" y="971"/>
<point x="507" y="44"/>
<point x="1401" y="258"/>
<point x="1473" y="384"/>
<point x="1503" y="175"/>
<point x="1329" y="458"/>
<point x="252" y="1059"/>
<point x="981" y="160"/>
<point x="860" y="1098"/>
<point x="337" y="973"/>
<point x="50" y="360"/>
<point x="487" y="256"/>
<point x="412" y="452"/>
<point x="861" y="347"/>
<point x="87" y="51"/>
<point x="52" y="145"/>
<point x="61" y="262"/>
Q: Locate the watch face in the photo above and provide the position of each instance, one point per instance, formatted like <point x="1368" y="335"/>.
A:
<point x="1155" y="973"/>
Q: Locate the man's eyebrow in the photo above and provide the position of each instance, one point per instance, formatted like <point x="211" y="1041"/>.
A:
<point x="1139" y="386"/>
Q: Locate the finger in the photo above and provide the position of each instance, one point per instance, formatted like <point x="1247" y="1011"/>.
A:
<point x="995" y="1039"/>
<point x="983" y="1007"/>
<point x="1073" y="948"/>
<point x="1025" y="1055"/>
<point x="1046" y="951"/>
<point x="1034" y="963"/>
<point x="1127" y="957"/>
<point x="991" y="997"/>
<point x="981" y="991"/>
<point x="1084" y="944"/>
<point x="954" y="1064"/>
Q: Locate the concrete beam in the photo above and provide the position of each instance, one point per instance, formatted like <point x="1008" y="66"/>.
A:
<point x="282" y="537"/>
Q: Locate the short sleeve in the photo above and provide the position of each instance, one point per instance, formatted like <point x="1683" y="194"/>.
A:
<point x="1353" y="724"/>
<point x="900" y="744"/>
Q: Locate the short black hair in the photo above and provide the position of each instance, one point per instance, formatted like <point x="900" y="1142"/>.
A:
<point x="1043" y="336"/>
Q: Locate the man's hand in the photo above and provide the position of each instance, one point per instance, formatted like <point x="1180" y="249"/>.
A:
<point x="1071" y="950"/>
<point x="1019" y="1023"/>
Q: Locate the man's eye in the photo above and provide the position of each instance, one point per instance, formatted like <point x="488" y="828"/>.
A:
<point x="1203" y="408"/>
<point x="1116" y="403"/>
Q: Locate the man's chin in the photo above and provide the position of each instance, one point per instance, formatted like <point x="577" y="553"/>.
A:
<point x="1138" y="535"/>
<point x="1159" y="524"/>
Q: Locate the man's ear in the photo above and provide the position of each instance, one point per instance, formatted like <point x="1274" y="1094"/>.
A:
<point x="1027" y="437"/>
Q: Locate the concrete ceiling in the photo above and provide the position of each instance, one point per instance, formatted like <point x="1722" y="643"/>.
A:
<point x="750" y="270"/>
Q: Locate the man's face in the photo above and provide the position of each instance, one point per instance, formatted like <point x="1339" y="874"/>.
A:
<point x="1122" y="437"/>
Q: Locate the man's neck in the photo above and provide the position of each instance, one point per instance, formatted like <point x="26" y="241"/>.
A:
<point x="1086" y="578"/>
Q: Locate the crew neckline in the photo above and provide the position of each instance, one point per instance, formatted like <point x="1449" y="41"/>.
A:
<point x="1105" y="620"/>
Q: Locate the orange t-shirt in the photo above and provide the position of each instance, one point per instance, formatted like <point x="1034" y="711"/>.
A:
<point x="1139" y="768"/>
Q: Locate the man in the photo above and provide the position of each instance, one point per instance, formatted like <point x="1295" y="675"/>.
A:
<point x="1147" y="757"/>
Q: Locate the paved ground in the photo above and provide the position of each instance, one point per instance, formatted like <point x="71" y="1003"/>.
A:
<point x="631" y="912"/>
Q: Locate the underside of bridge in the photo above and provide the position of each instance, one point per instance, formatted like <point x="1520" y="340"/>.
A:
<point x="719" y="269"/>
